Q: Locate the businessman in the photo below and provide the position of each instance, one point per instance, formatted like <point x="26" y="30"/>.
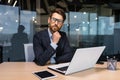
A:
<point x="51" y="45"/>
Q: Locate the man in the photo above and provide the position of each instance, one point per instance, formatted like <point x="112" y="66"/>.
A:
<point x="52" y="42"/>
<point x="17" y="40"/>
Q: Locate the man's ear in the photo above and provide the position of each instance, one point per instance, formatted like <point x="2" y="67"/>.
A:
<point x="48" y="20"/>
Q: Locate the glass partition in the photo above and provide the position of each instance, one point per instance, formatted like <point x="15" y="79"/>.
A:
<point x="87" y="25"/>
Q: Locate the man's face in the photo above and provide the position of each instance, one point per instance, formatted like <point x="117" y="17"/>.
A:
<point x="55" y="22"/>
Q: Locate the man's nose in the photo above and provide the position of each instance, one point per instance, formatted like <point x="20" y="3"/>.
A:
<point x="56" y="22"/>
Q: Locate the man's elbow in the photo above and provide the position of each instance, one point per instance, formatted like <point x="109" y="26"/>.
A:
<point x="41" y="63"/>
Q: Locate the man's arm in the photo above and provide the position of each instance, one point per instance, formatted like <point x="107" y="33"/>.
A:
<point x="67" y="52"/>
<point x="42" y="53"/>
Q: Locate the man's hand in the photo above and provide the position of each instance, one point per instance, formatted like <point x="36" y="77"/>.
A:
<point x="56" y="37"/>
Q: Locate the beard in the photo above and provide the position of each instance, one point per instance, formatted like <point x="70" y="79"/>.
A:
<point x="55" y="28"/>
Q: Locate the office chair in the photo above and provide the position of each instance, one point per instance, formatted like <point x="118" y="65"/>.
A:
<point x="29" y="53"/>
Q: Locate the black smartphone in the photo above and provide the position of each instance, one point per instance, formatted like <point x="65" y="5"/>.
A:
<point x="44" y="74"/>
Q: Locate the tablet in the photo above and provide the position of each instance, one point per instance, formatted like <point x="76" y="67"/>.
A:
<point x="44" y="74"/>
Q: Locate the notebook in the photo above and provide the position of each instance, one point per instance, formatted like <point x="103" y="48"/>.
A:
<point x="84" y="58"/>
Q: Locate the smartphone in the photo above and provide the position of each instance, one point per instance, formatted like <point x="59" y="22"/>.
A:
<point x="44" y="75"/>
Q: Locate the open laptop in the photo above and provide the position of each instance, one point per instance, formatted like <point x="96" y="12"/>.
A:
<point x="84" y="58"/>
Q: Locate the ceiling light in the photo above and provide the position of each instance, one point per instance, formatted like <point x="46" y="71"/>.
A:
<point x="8" y="1"/>
<point x="14" y="3"/>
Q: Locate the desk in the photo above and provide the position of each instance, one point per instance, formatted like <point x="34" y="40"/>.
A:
<point x="23" y="71"/>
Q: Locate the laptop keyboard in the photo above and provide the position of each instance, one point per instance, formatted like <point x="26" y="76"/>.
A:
<point x="63" y="68"/>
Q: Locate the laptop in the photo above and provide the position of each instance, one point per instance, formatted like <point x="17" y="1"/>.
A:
<point x="84" y="58"/>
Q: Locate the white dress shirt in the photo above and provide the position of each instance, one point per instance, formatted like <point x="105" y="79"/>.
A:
<point x="52" y="60"/>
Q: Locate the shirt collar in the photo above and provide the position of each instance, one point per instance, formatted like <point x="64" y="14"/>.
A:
<point x="50" y="34"/>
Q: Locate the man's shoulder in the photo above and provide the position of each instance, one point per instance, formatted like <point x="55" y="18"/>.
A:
<point x="41" y="32"/>
<point x="62" y="33"/>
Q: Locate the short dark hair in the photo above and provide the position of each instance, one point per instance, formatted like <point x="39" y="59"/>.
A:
<point x="59" y="11"/>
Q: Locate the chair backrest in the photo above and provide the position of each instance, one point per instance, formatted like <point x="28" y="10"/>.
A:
<point x="29" y="53"/>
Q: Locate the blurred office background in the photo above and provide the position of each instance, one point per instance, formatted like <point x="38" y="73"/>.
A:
<point x="89" y="23"/>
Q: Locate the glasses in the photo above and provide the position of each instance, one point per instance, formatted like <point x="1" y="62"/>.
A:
<point x="58" y="20"/>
